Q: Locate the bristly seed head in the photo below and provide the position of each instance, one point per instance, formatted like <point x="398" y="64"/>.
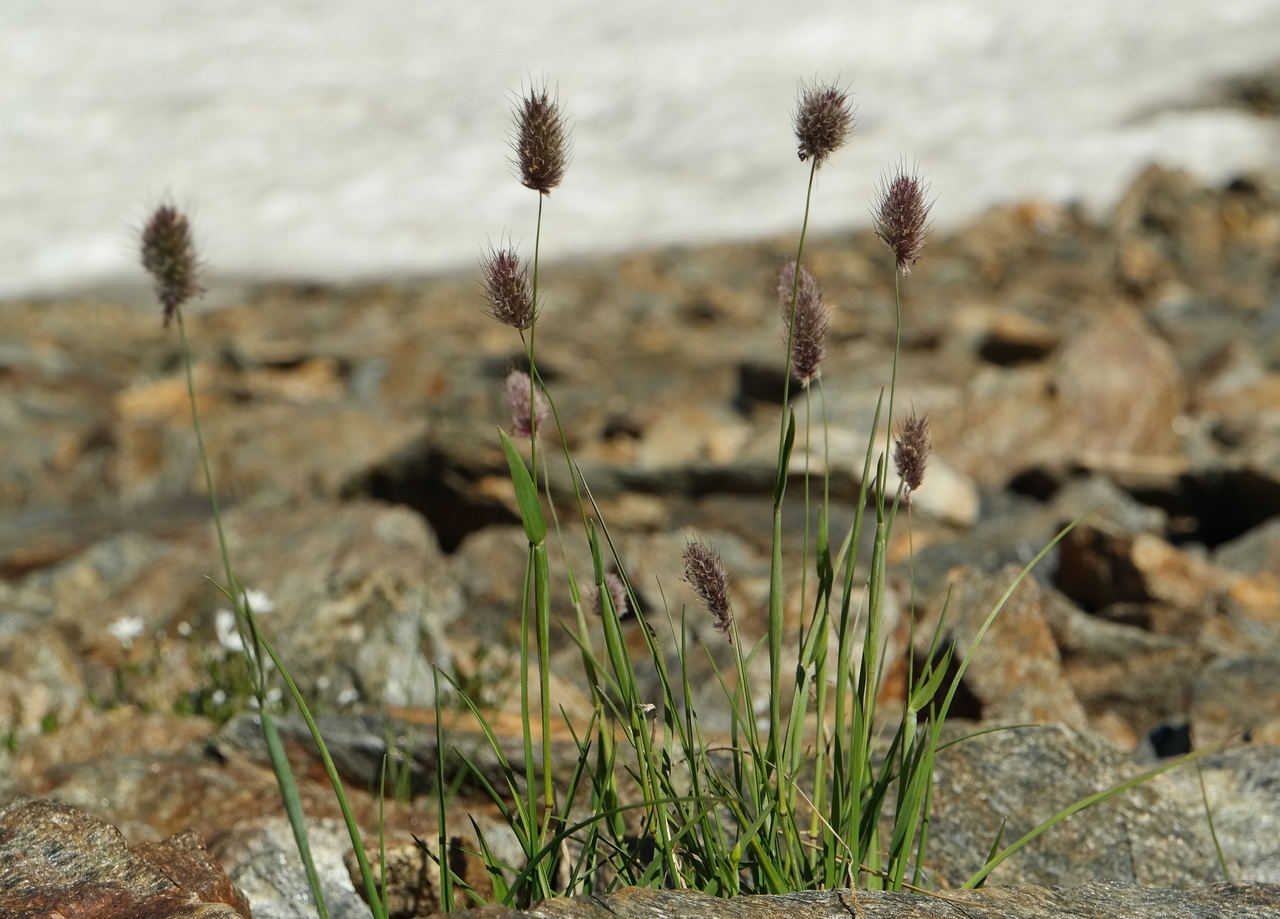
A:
<point x="524" y="419"/>
<point x="541" y="141"/>
<point x="506" y="287"/>
<point x="169" y="256"/>
<point x="911" y="452"/>
<point x="704" y="571"/>
<point x="824" y="120"/>
<point x="809" y="334"/>
<point x="901" y="215"/>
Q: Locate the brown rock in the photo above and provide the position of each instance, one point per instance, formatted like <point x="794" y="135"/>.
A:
<point x="1118" y="388"/>
<point x="1125" y="673"/>
<point x="1016" y="674"/>
<point x="1100" y="566"/>
<point x="56" y="860"/>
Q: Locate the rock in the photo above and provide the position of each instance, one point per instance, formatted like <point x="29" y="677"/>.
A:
<point x="1127" y="678"/>
<point x="1096" y="900"/>
<point x="412" y="877"/>
<point x="60" y="861"/>
<point x="1015" y="675"/>
<point x="1117" y="389"/>
<point x="184" y="859"/>
<point x="1236" y="696"/>
<point x="262" y="859"/>
<point x="1020" y="778"/>
<point x="1240" y="783"/>
<point x="1100" y="567"/>
<point x="327" y="577"/>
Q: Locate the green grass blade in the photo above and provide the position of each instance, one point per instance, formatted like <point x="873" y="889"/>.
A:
<point x="293" y="808"/>
<point x="535" y="524"/>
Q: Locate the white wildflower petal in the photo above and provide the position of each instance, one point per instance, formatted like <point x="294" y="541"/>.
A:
<point x="348" y="695"/>
<point x="258" y="601"/>
<point x="224" y="623"/>
<point x="126" y="629"/>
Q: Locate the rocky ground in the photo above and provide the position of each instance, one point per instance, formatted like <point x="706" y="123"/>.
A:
<point x="1131" y="368"/>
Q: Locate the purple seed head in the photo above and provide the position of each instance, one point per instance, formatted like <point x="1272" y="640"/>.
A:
<point x="541" y="141"/>
<point x="809" y="333"/>
<point x="901" y="215"/>
<point x="169" y="256"/>
<point x="911" y="451"/>
<point x="704" y="571"/>
<point x="617" y="592"/>
<point x="507" y="288"/>
<point x="824" y="119"/>
<point x="525" y="420"/>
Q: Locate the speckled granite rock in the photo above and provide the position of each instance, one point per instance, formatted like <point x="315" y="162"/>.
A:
<point x="58" y="861"/>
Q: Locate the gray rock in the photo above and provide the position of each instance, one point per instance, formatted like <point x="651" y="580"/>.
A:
<point x="1096" y="900"/>
<point x="1242" y="784"/>
<point x="1256" y="552"/>
<point x="1236" y="695"/>
<point x="261" y="857"/>
<point x="1020" y="778"/>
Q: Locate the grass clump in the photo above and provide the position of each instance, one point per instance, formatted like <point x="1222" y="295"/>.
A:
<point x="816" y="788"/>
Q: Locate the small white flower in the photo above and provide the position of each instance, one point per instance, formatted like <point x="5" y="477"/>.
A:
<point x="224" y="623"/>
<point x="258" y="601"/>
<point x="274" y="695"/>
<point x="126" y="629"/>
<point x="219" y="697"/>
<point x="184" y="629"/>
<point x="348" y="695"/>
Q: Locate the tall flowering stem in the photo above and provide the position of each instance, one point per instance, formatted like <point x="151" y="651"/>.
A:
<point x="540" y="148"/>
<point x="169" y="255"/>
<point x="823" y="120"/>
<point x="901" y="218"/>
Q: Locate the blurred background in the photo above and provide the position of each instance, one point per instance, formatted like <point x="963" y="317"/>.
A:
<point x="331" y="141"/>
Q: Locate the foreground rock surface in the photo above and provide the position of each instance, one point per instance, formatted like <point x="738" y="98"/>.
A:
<point x="58" y="861"/>
<point x="1100" y="900"/>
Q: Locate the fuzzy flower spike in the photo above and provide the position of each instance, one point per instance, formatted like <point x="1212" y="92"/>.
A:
<point x="911" y="452"/>
<point x="169" y="255"/>
<point x="704" y="571"/>
<point x="809" y="333"/>
<point x="824" y="120"/>
<point x="526" y="418"/>
<point x="541" y="141"/>
<point x="507" y="289"/>
<point x="902" y="215"/>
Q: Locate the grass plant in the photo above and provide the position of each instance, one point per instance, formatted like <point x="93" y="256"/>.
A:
<point x="817" y="788"/>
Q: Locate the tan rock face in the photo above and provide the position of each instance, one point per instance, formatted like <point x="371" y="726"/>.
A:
<point x="1117" y="389"/>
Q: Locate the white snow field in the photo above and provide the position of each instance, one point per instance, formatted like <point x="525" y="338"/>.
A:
<point x="337" y="141"/>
